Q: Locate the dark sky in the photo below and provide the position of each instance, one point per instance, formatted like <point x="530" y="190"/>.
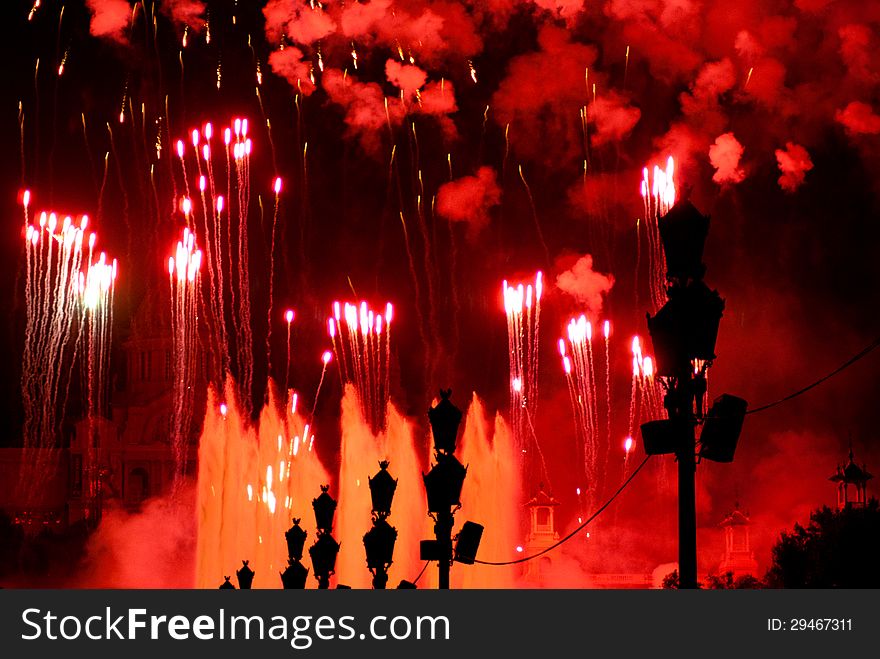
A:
<point x="797" y="267"/>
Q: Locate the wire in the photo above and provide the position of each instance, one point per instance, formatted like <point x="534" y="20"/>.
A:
<point x="579" y="528"/>
<point x="425" y="567"/>
<point x="852" y="360"/>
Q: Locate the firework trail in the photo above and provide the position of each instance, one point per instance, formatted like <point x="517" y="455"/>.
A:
<point x="96" y="291"/>
<point x="522" y="305"/>
<point x="288" y="316"/>
<point x="326" y="358"/>
<point x="658" y="196"/>
<point x="361" y="341"/>
<point x="277" y="189"/>
<point x="538" y="229"/>
<point x="646" y="403"/>
<point x="220" y="212"/>
<point x="184" y="278"/>
<point x="69" y="298"/>
<point x="579" y="367"/>
<point x="647" y="394"/>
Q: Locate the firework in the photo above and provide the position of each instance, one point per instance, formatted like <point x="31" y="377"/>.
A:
<point x="219" y="210"/>
<point x="580" y="369"/>
<point x="69" y="298"/>
<point x="658" y="196"/>
<point x="522" y="305"/>
<point x="184" y="276"/>
<point x="646" y="402"/>
<point x="289" y="315"/>
<point x="326" y="358"/>
<point x="361" y="339"/>
<point x="96" y="290"/>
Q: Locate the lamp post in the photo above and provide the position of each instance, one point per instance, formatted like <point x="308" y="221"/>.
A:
<point x="379" y="540"/>
<point x="294" y="576"/>
<point x="443" y="484"/>
<point x="325" y="549"/>
<point x="683" y="333"/>
<point x="245" y="576"/>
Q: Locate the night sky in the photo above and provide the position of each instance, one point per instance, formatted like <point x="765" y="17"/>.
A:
<point x="769" y="108"/>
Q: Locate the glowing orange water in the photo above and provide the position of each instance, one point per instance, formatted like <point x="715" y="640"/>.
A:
<point x="491" y="496"/>
<point x="251" y="482"/>
<point x="360" y="455"/>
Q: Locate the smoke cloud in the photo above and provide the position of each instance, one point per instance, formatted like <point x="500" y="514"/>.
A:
<point x="364" y="107"/>
<point x="469" y="199"/>
<point x="109" y="18"/>
<point x="297" y="20"/>
<point x="858" y="119"/>
<point x="542" y="95"/>
<point x="794" y="163"/>
<point x="185" y="12"/>
<point x="152" y="548"/>
<point x="583" y="284"/>
<point x="612" y="117"/>
<point x="409" y="79"/>
<point x="292" y="65"/>
<point x="725" y="155"/>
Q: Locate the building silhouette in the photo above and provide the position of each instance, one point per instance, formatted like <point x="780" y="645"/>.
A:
<point x="542" y="534"/>
<point x="125" y="458"/>
<point x="738" y="558"/>
<point x="852" y="483"/>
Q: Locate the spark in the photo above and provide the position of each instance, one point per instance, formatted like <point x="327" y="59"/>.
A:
<point x="63" y="62"/>
<point x="582" y="377"/>
<point x="69" y="294"/>
<point x="184" y="267"/>
<point x="658" y="197"/>
<point x="522" y="306"/>
<point x="288" y="316"/>
<point x="361" y="339"/>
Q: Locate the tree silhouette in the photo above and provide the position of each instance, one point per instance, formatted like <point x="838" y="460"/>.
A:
<point x="670" y="581"/>
<point x="838" y="549"/>
<point x="724" y="581"/>
<point x="727" y="581"/>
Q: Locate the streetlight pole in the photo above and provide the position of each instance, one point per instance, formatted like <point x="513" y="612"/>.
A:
<point x="443" y="533"/>
<point x="687" y="512"/>
<point x="684" y="332"/>
<point x="325" y="549"/>
<point x="379" y="540"/>
<point x="443" y="485"/>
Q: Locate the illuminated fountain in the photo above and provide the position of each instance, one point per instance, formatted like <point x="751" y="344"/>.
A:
<point x="252" y="481"/>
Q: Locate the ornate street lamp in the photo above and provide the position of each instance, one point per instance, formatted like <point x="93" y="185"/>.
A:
<point x="245" y="576"/>
<point x="443" y="485"/>
<point x="683" y="333"/>
<point x="294" y="576"/>
<point x="445" y="419"/>
<point x="379" y="540"/>
<point x="325" y="508"/>
<point x="296" y="539"/>
<point x="382" y="487"/>
<point x="325" y="549"/>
